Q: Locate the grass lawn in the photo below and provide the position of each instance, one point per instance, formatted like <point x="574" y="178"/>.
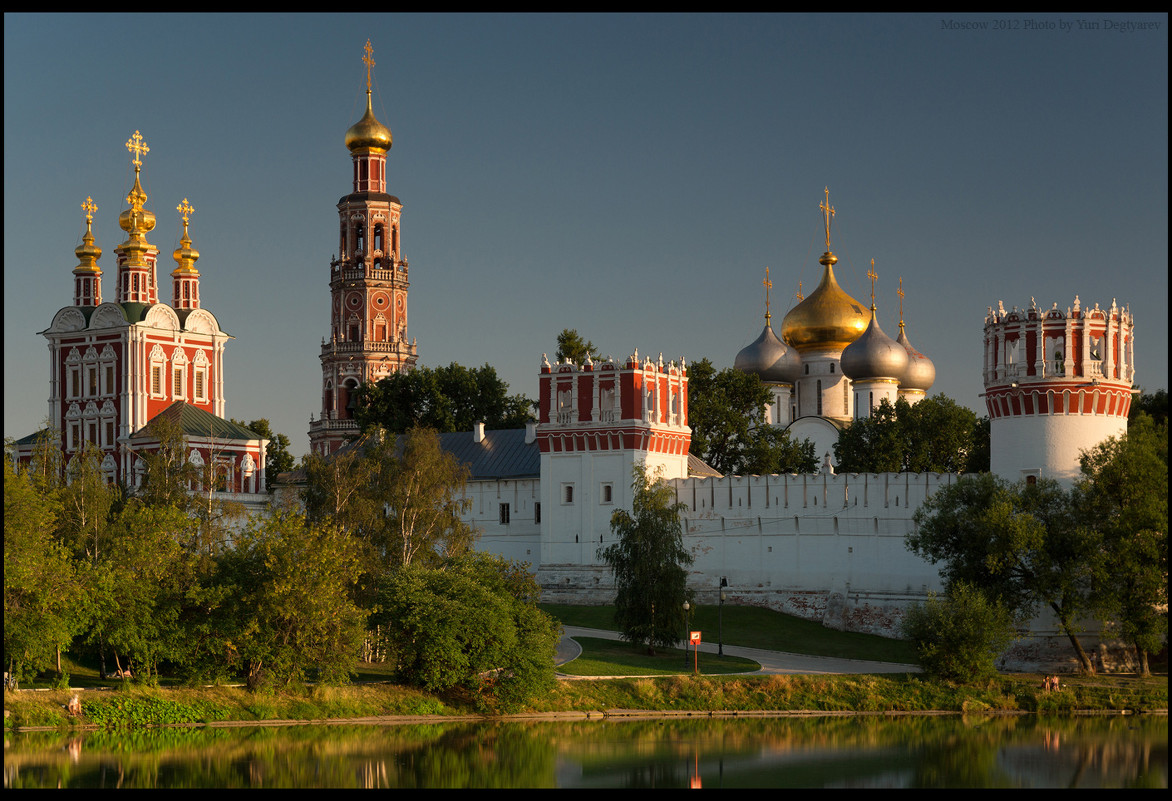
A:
<point x="617" y="658"/>
<point x="754" y="627"/>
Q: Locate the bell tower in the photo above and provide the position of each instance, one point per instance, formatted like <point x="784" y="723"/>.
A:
<point x="368" y="285"/>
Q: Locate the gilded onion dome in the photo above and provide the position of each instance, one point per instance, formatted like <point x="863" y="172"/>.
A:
<point x="87" y="252"/>
<point x="768" y="357"/>
<point x="368" y="133"/>
<point x="136" y="221"/>
<point x="828" y="317"/>
<point x="185" y="255"/>
<point x="874" y="355"/>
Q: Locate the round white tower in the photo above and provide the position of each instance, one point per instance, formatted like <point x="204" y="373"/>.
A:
<point x="1056" y="384"/>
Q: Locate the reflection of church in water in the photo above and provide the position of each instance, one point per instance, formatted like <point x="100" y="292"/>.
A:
<point x="824" y="546"/>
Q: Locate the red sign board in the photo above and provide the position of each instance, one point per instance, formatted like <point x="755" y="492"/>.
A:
<point x="695" y="636"/>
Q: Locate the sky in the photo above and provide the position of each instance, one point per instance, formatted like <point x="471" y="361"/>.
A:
<point x="627" y="176"/>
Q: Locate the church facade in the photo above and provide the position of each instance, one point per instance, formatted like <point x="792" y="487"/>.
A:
<point x="118" y="365"/>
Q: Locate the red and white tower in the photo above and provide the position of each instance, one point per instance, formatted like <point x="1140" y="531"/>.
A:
<point x="597" y="421"/>
<point x="368" y="286"/>
<point x="1056" y="383"/>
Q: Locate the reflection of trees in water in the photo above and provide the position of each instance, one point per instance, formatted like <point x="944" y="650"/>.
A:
<point x="921" y="751"/>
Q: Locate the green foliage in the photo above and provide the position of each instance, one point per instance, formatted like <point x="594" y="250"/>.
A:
<point x="571" y="347"/>
<point x="1153" y="404"/>
<point x="123" y="710"/>
<point x="724" y="411"/>
<point x="649" y="562"/>
<point x="935" y="435"/>
<point x="278" y="459"/>
<point x="288" y="608"/>
<point x="959" y="637"/>
<point x="43" y="594"/>
<point x="1019" y="543"/>
<point x="1123" y="496"/>
<point x="168" y="474"/>
<point x="473" y="624"/>
<point x="446" y="399"/>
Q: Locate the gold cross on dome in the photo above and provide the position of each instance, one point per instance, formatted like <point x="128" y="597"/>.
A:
<point x="185" y="210"/>
<point x="89" y="207"/>
<point x="871" y="274"/>
<point x="827" y="214"/>
<point x="768" y="286"/>
<point x="368" y="60"/>
<point x="800" y="296"/>
<point x="138" y="147"/>
<point x="900" y="293"/>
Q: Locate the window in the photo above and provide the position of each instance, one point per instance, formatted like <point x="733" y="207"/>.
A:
<point x="109" y="433"/>
<point x="74" y="382"/>
<point x="567" y="493"/>
<point x="109" y="379"/>
<point x="537" y="513"/>
<point x="504" y="514"/>
<point x="156" y="379"/>
<point x="92" y="382"/>
<point x="819" y="396"/>
<point x="606" y="494"/>
<point x="177" y="383"/>
<point x="201" y="384"/>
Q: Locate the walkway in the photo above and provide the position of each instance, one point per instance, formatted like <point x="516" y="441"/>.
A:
<point x="770" y="661"/>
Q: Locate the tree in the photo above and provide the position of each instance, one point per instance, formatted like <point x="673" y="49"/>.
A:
<point x="935" y="435"/>
<point x="168" y="475"/>
<point x="471" y="622"/>
<point x="446" y="399"/>
<point x="571" y="346"/>
<point x="648" y="563"/>
<point x="1123" y="495"/>
<point x="1019" y="543"/>
<point x="959" y="637"/>
<point x="725" y="410"/>
<point x="43" y="595"/>
<point x="1154" y="404"/>
<point x="289" y="607"/>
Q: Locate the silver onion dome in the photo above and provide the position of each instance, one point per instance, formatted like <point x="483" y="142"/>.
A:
<point x="921" y="373"/>
<point x="874" y="355"/>
<point x="770" y="359"/>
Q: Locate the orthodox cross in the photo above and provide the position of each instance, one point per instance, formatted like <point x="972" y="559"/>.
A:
<point x="871" y="274"/>
<point x="185" y="209"/>
<point x="827" y="213"/>
<point x="800" y="296"/>
<point x="768" y="285"/>
<point x="89" y="207"/>
<point x="138" y="147"/>
<point x="369" y="62"/>
<point x="900" y="293"/>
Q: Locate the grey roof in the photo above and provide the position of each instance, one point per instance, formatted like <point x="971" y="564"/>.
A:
<point x="501" y="454"/>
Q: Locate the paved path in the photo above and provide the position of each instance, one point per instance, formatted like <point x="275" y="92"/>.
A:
<point x="770" y="661"/>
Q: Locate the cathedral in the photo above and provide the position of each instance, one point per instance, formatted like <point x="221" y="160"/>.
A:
<point x="117" y="366"/>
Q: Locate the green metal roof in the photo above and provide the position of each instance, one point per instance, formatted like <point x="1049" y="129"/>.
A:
<point x="195" y="422"/>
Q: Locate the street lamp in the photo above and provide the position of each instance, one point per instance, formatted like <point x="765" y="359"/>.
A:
<point x="687" y="606"/>
<point x="720" y="619"/>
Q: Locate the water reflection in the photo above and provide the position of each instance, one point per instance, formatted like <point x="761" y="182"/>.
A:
<point x="840" y="751"/>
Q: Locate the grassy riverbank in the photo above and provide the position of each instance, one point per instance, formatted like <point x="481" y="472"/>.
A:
<point x="890" y="693"/>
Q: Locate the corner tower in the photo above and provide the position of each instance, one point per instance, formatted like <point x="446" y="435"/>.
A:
<point x="1056" y="383"/>
<point x="368" y="285"/>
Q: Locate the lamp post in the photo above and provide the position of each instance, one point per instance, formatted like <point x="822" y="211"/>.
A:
<point x="687" y="606"/>
<point x="720" y="619"/>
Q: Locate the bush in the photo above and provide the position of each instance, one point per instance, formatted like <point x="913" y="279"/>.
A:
<point x="959" y="637"/>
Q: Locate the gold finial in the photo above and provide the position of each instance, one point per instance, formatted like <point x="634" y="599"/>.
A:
<point x="827" y="214"/>
<point x="871" y="274"/>
<point x="368" y="60"/>
<point x="768" y="286"/>
<point x="138" y="147"/>
<point x="800" y="296"/>
<point x="900" y="293"/>
<point x="185" y="210"/>
<point x="89" y="207"/>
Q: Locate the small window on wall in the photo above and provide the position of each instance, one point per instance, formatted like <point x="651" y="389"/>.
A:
<point x="177" y="383"/>
<point x="537" y="513"/>
<point x="567" y="493"/>
<point x="504" y="514"/>
<point x="201" y="385"/>
<point x="1031" y="476"/>
<point x="156" y="379"/>
<point x="606" y="496"/>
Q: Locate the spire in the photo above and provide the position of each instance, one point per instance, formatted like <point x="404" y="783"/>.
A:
<point x="136" y="256"/>
<point x="900" y="293"/>
<point x="88" y="276"/>
<point x="872" y="275"/>
<point x="368" y="135"/>
<point x="768" y="285"/>
<point x="828" y="258"/>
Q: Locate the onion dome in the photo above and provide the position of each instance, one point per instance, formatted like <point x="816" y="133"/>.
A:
<point x="769" y="359"/>
<point x="874" y="355"/>
<point x="921" y="373"/>
<point x="87" y="252"/>
<point x="828" y="317"/>
<point x="368" y="133"/>
<point x="185" y="255"/>
<point x="136" y="221"/>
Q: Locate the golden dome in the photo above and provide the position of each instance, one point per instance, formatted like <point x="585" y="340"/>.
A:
<point x="829" y="317"/>
<point x="368" y="133"/>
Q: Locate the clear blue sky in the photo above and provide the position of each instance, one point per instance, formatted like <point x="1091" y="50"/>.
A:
<point x="628" y="176"/>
